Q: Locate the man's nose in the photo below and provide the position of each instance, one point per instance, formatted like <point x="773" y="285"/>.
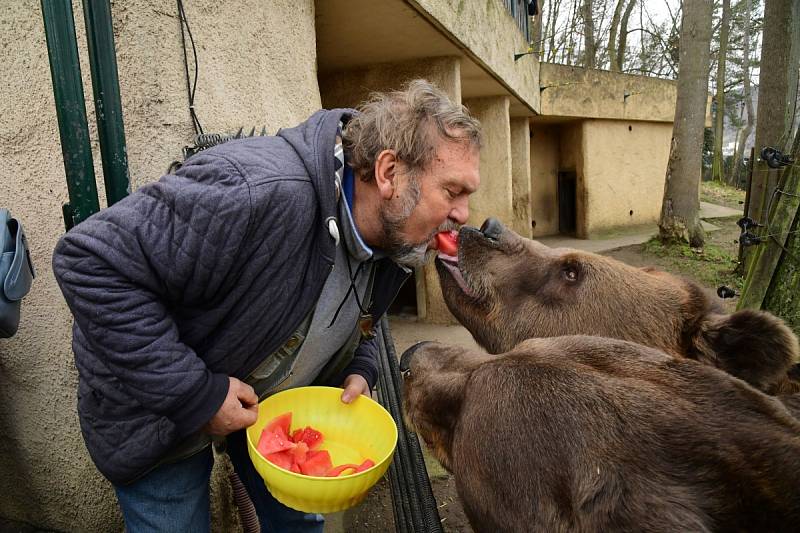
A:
<point x="460" y="211"/>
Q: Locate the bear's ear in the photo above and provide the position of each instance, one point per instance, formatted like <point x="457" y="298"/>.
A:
<point x="752" y="345"/>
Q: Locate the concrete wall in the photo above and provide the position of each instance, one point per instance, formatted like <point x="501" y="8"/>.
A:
<point x="579" y="92"/>
<point x="521" y="175"/>
<point x="624" y="169"/>
<point x="257" y="66"/>
<point x="545" y="146"/>
<point x="494" y="197"/>
<point x="487" y="31"/>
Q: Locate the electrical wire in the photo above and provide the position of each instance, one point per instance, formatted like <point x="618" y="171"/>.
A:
<point x="191" y="88"/>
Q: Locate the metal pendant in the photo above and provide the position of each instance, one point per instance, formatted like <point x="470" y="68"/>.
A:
<point x="365" y="325"/>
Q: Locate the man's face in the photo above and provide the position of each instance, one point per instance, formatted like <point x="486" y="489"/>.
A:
<point x="435" y="200"/>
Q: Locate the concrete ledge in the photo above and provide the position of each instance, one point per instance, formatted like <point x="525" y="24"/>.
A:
<point x="588" y="93"/>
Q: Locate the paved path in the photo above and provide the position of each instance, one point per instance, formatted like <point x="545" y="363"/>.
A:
<point x="707" y="211"/>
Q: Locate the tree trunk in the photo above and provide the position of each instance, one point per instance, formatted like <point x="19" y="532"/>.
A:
<point x="772" y="279"/>
<point x="589" y="47"/>
<point x="536" y="32"/>
<point x="680" y="209"/>
<point x="573" y="26"/>
<point x="613" y="65"/>
<point x="741" y="142"/>
<point x="717" y="166"/>
<point x="623" y="35"/>
<point x="771" y="123"/>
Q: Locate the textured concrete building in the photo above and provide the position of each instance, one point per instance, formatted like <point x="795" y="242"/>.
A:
<point x="566" y="150"/>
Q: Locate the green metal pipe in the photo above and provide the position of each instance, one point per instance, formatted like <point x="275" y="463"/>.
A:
<point x="62" y="48"/>
<point x="107" y="104"/>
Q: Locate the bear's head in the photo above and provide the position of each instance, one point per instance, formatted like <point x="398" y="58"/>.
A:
<point x="505" y="289"/>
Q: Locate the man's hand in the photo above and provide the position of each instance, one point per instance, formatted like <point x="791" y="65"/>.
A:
<point x="353" y="385"/>
<point x="239" y="410"/>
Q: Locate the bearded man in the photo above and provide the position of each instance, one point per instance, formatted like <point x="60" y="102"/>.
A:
<point x="259" y="265"/>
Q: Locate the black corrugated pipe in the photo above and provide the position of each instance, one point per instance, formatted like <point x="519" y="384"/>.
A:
<point x="65" y="69"/>
<point x="107" y="104"/>
<point x="415" y="509"/>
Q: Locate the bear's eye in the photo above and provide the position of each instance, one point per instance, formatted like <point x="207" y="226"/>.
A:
<point x="570" y="273"/>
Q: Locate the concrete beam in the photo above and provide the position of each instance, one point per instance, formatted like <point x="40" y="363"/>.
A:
<point x="350" y="88"/>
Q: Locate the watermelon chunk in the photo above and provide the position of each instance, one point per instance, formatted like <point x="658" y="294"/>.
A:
<point x="273" y="442"/>
<point x="310" y="436"/>
<point x="447" y="242"/>
<point x="368" y="463"/>
<point x="317" y="463"/>
<point x="299" y="452"/>
<point x="280" y="424"/>
<point x="281" y="459"/>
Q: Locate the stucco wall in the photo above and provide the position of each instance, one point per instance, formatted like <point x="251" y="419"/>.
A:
<point x="491" y="35"/>
<point x="590" y="93"/>
<point x="625" y="165"/>
<point x="493" y="198"/>
<point x="545" y="141"/>
<point x="257" y="66"/>
<point x="521" y="175"/>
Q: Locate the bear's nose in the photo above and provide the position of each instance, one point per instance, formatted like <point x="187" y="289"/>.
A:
<point x="492" y="228"/>
<point x="405" y="359"/>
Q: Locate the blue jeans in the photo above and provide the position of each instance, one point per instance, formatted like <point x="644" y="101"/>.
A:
<point x="174" y="497"/>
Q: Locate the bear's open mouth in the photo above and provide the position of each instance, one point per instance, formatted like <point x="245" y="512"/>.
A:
<point x="451" y="264"/>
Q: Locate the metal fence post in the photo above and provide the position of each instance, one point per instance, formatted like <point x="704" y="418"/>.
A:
<point x="108" y="107"/>
<point x="62" y="48"/>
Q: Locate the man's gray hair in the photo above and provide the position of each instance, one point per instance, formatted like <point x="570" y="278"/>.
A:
<point x="411" y="122"/>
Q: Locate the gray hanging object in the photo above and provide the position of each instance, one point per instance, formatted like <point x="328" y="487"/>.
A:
<point x="16" y="272"/>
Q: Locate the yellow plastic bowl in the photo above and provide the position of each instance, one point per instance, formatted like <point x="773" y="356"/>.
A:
<point x="353" y="432"/>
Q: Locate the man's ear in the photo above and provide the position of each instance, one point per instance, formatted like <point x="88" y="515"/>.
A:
<point x="752" y="345"/>
<point x="386" y="173"/>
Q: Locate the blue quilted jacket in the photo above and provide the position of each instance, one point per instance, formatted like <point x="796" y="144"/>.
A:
<point x="195" y="278"/>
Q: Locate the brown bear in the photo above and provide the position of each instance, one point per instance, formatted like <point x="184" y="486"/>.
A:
<point x="504" y="288"/>
<point x="589" y="434"/>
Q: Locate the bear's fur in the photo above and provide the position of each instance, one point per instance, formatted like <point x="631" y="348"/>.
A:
<point x="589" y="434"/>
<point x="506" y="289"/>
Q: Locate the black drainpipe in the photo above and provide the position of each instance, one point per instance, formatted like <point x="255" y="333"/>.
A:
<point x="62" y="48"/>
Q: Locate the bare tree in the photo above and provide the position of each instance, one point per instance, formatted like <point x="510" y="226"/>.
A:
<point x="717" y="168"/>
<point x="772" y="127"/>
<point x="748" y="100"/>
<point x="680" y="208"/>
<point x="572" y="30"/>
<point x="623" y="34"/>
<point x="613" y="30"/>
<point x="589" y="50"/>
<point x="536" y="31"/>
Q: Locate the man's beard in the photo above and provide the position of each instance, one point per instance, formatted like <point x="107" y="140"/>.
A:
<point x="394" y="218"/>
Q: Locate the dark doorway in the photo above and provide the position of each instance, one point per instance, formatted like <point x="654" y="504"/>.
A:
<point x="405" y="304"/>
<point x="567" y="190"/>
